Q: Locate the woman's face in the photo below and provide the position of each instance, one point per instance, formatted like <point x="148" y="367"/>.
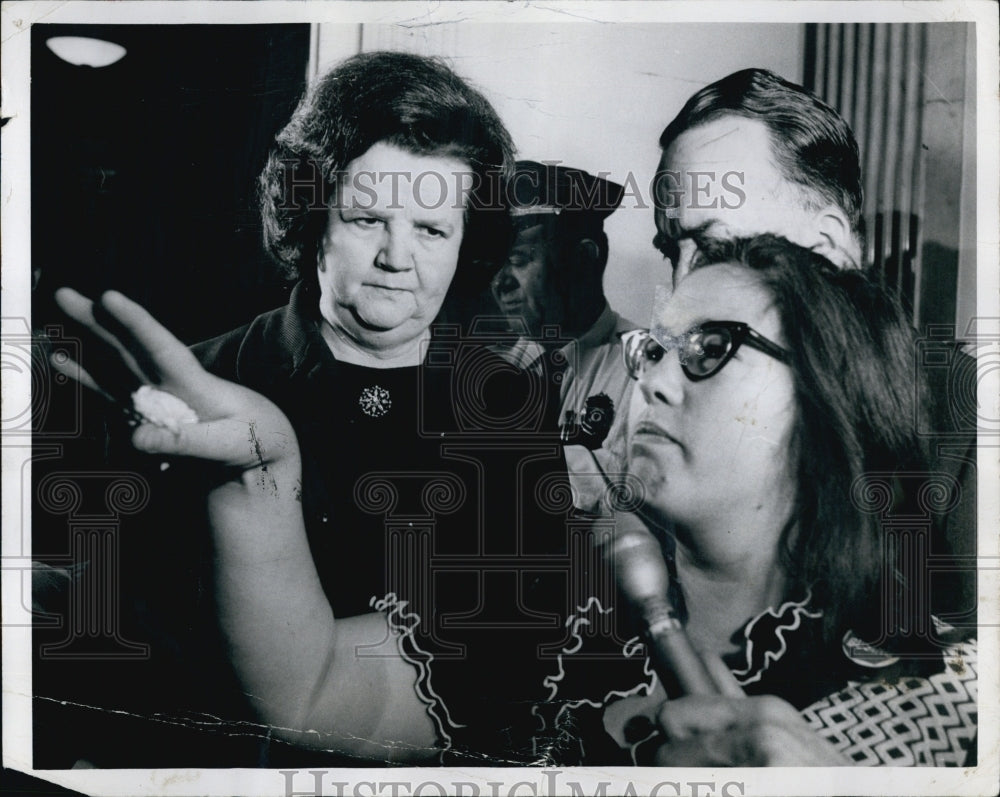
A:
<point x="713" y="453"/>
<point x="391" y="245"/>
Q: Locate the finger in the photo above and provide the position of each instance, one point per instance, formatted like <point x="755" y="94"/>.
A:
<point x="709" y="750"/>
<point x="773" y="744"/>
<point x="722" y="676"/>
<point x="162" y="356"/>
<point x="701" y="714"/>
<point x="72" y="369"/>
<point x="752" y="731"/>
<point x="81" y="310"/>
<point x="238" y="443"/>
<point x="697" y="714"/>
<point x="768" y="709"/>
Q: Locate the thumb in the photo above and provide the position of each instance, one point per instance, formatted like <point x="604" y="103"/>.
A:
<point x="721" y="675"/>
<point x="235" y="442"/>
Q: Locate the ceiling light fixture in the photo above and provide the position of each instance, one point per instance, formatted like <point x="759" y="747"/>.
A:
<point x="84" y="51"/>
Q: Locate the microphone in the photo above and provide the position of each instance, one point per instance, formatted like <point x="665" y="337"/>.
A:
<point x="643" y="579"/>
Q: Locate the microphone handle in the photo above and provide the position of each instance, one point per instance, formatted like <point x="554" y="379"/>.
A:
<point x="643" y="579"/>
<point x="673" y="655"/>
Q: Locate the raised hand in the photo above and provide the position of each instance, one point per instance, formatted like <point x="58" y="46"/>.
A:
<point x="296" y="662"/>
<point x="236" y="426"/>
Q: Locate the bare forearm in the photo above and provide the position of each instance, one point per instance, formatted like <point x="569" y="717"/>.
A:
<point x="299" y="668"/>
<point x="306" y="674"/>
<point x="271" y="606"/>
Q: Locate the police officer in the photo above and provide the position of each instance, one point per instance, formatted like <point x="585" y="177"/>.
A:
<point x="551" y="292"/>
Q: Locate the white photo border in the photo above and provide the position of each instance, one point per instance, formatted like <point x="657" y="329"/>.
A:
<point x="17" y="19"/>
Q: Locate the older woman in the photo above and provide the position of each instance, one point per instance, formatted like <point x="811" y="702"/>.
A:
<point x="774" y="444"/>
<point x="394" y="466"/>
<point x="382" y="196"/>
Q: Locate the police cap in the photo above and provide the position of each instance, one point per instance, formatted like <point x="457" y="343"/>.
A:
<point x="538" y="189"/>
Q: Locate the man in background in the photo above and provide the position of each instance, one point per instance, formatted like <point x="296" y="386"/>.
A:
<point x="551" y="291"/>
<point x="753" y="153"/>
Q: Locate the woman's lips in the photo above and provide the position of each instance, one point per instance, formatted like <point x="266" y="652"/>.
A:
<point x="651" y="429"/>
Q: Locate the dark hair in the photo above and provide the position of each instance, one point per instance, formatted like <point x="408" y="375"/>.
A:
<point x="857" y="396"/>
<point x="412" y="102"/>
<point x="569" y="233"/>
<point x="812" y="144"/>
<point x="565" y="231"/>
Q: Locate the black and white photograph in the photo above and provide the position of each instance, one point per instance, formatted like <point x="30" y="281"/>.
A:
<point x="488" y="398"/>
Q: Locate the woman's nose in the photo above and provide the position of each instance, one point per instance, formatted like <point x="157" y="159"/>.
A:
<point x="396" y="253"/>
<point x="663" y="382"/>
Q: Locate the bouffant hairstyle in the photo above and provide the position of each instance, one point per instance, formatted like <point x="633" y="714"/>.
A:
<point x="409" y="101"/>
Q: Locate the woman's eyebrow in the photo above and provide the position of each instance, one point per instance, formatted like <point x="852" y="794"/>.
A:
<point x="365" y="206"/>
<point x="660" y="328"/>
<point x="714" y="244"/>
<point x="437" y="223"/>
<point x="710" y="234"/>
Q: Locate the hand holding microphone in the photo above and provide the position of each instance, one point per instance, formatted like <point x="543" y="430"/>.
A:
<point x="643" y="579"/>
<point x="713" y="723"/>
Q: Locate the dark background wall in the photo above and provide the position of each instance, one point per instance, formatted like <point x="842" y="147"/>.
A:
<point x="143" y="180"/>
<point x="143" y="172"/>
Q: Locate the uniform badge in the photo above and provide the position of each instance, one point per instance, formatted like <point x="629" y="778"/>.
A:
<point x="598" y="415"/>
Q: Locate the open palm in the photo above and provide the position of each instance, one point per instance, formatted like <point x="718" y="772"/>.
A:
<point x="236" y="426"/>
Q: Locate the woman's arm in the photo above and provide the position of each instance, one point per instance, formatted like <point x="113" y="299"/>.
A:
<point x="300" y="668"/>
<point x="306" y="674"/>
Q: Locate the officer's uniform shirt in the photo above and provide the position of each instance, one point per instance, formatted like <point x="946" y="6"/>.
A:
<point x="592" y="367"/>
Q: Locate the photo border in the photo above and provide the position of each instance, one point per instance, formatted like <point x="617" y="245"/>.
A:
<point x="15" y="25"/>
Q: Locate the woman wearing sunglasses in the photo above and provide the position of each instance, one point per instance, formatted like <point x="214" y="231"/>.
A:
<point x="775" y="461"/>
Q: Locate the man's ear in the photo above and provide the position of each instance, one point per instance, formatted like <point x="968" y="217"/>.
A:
<point x="834" y="239"/>
<point x="588" y="251"/>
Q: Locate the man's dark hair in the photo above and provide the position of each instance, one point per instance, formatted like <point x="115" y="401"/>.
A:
<point x="857" y="398"/>
<point x="409" y="101"/>
<point x="564" y="232"/>
<point x="813" y="145"/>
<point x="570" y="232"/>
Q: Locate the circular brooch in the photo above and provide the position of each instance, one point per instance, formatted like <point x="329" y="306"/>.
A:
<point x="374" y="401"/>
